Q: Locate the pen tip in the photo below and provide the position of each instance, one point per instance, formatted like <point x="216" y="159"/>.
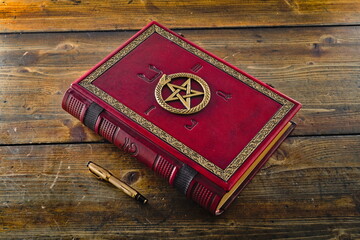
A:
<point x="88" y="163"/>
<point x="141" y="198"/>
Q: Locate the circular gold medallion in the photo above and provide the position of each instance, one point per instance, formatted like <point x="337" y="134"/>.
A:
<point x="181" y="94"/>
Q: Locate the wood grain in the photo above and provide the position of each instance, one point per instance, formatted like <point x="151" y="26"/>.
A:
<point x="317" y="66"/>
<point x="91" y="15"/>
<point x="309" y="189"/>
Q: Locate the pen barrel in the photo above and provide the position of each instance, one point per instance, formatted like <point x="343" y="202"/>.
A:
<point x="123" y="186"/>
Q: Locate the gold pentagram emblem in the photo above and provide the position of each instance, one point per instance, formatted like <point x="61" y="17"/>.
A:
<point x="182" y="93"/>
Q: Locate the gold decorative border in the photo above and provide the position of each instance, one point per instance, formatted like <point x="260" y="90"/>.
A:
<point x="224" y="174"/>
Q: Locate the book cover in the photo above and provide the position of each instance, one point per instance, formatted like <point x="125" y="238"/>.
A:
<point x="203" y="124"/>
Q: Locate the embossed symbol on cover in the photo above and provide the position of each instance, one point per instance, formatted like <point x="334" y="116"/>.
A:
<point x="182" y="93"/>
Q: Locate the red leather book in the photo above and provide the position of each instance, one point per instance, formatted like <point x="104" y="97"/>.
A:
<point x="199" y="122"/>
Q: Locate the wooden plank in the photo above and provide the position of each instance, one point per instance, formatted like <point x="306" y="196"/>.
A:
<point x="308" y="190"/>
<point x="91" y="15"/>
<point x="317" y="66"/>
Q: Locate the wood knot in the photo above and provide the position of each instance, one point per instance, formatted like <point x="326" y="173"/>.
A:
<point x="75" y="2"/>
<point x="23" y="70"/>
<point x="316" y="49"/>
<point x="77" y="133"/>
<point x="181" y="34"/>
<point x="28" y="58"/>
<point x="356" y="200"/>
<point x="344" y="236"/>
<point x="65" y="46"/>
<point x="279" y="156"/>
<point x="131" y="177"/>
<point x="327" y="39"/>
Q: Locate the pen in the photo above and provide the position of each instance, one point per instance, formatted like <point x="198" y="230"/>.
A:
<point x="104" y="174"/>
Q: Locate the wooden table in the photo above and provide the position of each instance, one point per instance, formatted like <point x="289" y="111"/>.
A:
<point x="309" y="189"/>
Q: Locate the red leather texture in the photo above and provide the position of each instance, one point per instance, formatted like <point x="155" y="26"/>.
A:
<point x="223" y="127"/>
<point x="235" y="114"/>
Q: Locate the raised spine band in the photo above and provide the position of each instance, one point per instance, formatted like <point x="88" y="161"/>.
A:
<point x="92" y="115"/>
<point x="184" y="177"/>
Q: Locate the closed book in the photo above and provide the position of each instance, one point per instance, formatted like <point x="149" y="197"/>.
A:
<point x="199" y="122"/>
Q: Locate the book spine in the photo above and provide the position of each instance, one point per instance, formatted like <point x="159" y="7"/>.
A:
<point x="178" y="174"/>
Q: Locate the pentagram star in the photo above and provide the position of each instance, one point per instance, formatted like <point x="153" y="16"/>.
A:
<point x="184" y="99"/>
